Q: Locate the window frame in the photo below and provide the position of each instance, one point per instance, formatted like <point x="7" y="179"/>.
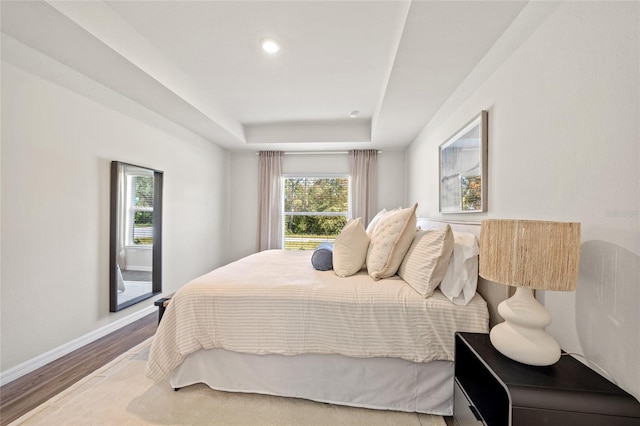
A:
<point x="131" y="209"/>
<point x="286" y="176"/>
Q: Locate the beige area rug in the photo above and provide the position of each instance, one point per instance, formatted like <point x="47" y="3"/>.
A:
<point x="120" y="394"/>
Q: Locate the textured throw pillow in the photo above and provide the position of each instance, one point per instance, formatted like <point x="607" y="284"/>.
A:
<point x="350" y="249"/>
<point x="322" y="257"/>
<point x="390" y="241"/>
<point x="461" y="279"/>
<point x="425" y="264"/>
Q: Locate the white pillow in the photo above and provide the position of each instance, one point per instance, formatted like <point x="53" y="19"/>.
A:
<point x="120" y="279"/>
<point x="372" y="225"/>
<point x="426" y="262"/>
<point x="461" y="280"/>
<point x="390" y="241"/>
<point x="350" y="249"/>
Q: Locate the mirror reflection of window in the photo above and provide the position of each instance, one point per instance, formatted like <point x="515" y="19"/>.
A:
<point x="139" y="209"/>
<point x="136" y="234"/>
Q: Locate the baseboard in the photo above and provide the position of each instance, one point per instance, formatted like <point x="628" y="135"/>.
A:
<point x="52" y="355"/>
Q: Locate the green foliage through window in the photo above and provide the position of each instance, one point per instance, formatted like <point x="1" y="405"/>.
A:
<point x="471" y="192"/>
<point x="143" y="191"/>
<point x="315" y="210"/>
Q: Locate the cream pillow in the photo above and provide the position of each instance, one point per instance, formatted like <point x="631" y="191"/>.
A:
<point x="426" y="262"/>
<point x="350" y="249"/>
<point x="390" y="241"/>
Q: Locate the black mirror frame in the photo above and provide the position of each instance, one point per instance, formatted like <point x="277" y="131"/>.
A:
<point x="156" y="286"/>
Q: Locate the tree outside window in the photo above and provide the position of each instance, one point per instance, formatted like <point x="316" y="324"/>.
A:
<point x="315" y="210"/>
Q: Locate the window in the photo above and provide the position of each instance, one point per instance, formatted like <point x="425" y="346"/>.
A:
<point x="139" y="209"/>
<point x="315" y="210"/>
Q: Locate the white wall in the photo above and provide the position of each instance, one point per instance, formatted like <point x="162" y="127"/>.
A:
<point x="564" y="144"/>
<point x="57" y="147"/>
<point x="243" y="188"/>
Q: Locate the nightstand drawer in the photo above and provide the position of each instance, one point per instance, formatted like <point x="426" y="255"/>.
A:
<point x="464" y="413"/>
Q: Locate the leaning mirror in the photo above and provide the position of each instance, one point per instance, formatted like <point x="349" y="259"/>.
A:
<point x="136" y="234"/>
<point x="463" y="169"/>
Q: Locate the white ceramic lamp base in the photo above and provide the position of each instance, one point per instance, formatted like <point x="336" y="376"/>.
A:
<point x="521" y="336"/>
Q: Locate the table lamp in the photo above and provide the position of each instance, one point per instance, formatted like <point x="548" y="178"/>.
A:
<point x="528" y="255"/>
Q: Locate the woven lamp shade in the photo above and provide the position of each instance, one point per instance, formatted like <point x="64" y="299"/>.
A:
<point x="532" y="254"/>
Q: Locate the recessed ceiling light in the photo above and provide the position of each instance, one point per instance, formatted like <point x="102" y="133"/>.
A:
<point x="270" y="45"/>
<point x="354" y="114"/>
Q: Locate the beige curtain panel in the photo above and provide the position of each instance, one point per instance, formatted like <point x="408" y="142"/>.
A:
<point x="363" y="170"/>
<point x="270" y="200"/>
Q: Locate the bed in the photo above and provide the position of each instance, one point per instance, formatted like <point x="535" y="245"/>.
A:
<point x="272" y="324"/>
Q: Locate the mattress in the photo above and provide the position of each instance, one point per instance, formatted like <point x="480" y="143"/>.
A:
<point x="274" y="302"/>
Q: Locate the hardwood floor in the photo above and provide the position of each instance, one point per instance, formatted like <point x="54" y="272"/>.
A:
<point x="26" y="393"/>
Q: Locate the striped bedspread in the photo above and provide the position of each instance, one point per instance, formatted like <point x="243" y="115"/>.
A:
<point x="274" y="302"/>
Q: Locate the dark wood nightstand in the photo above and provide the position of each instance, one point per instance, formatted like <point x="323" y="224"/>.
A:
<point x="494" y="390"/>
<point x="162" y="305"/>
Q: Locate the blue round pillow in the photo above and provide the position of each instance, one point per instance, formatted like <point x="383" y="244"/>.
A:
<point x="322" y="257"/>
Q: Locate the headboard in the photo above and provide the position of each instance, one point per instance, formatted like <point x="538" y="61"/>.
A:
<point x="492" y="292"/>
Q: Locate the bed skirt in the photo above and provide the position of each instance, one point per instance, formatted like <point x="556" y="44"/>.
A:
<point x="377" y="383"/>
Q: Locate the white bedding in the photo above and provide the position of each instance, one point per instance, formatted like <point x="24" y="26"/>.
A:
<point x="274" y="302"/>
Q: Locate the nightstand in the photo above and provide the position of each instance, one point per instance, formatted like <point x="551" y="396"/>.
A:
<point x="162" y="305"/>
<point x="491" y="389"/>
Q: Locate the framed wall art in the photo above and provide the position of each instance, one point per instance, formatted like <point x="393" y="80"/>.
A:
<point x="463" y="168"/>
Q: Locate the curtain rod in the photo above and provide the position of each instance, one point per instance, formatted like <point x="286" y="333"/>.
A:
<point x="316" y="152"/>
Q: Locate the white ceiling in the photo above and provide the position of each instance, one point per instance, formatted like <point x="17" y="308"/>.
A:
<point x="199" y="63"/>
